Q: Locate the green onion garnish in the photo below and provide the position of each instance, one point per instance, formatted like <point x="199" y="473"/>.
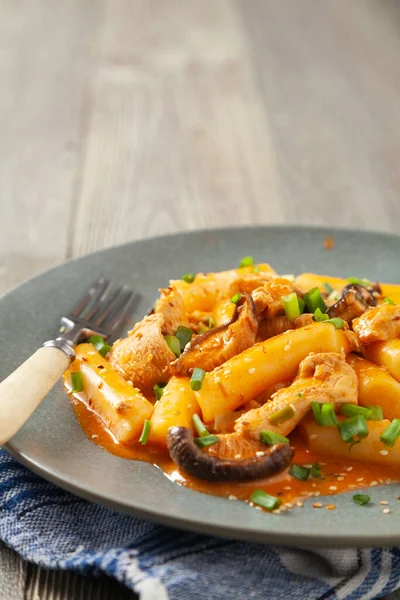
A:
<point x="358" y="281"/>
<point x="159" y="390"/>
<point x="189" y="277"/>
<point x="328" y="287"/>
<point x="269" y="437"/>
<point x="210" y="323"/>
<point x="337" y="322"/>
<point x="173" y="344"/>
<point x="291" y="305"/>
<point x="299" y="472"/>
<point x="236" y="298"/>
<point x="199" y="426"/>
<point x="265" y="500"/>
<point x="390" y="435"/>
<point x="324" y="414"/>
<point x="361" y="499"/>
<point x="247" y="261"/>
<point x="315" y="471"/>
<point x="207" y="440"/>
<point x="145" y="432"/>
<point x="371" y="413"/>
<point x="76" y="382"/>
<point x="353" y="429"/>
<point x="314" y="300"/>
<point x="389" y="301"/>
<point x="282" y="415"/>
<point x="302" y="304"/>
<point x="184" y="335"/>
<point x="203" y="328"/>
<point x="196" y="380"/>
<point x="100" y="345"/>
<point x="320" y="316"/>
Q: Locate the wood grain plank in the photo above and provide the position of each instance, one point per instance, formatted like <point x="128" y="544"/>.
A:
<point x="178" y="136"/>
<point x="331" y="83"/>
<point x="43" y="62"/>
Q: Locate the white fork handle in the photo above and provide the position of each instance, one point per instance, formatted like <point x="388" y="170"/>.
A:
<point x="22" y="391"/>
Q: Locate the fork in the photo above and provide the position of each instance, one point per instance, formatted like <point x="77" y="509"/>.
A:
<point x="100" y="312"/>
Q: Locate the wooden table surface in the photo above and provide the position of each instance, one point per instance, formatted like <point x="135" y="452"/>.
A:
<point x="122" y="119"/>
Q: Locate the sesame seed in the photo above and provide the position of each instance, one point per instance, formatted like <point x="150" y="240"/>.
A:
<point x="252" y="371"/>
<point x="349" y="469"/>
<point x="383" y="502"/>
<point x="360" y="479"/>
<point x="314" y="485"/>
<point x="238" y="456"/>
<point x="247" y="359"/>
<point x="313" y="436"/>
<point x="232" y="497"/>
<point x="317" y="494"/>
<point x="386" y="511"/>
<point x="317" y="505"/>
<point x="373" y="483"/>
<point x="384" y="452"/>
<point x="288" y="505"/>
<point x="94" y="436"/>
<point x="217" y="380"/>
<point x="333" y="488"/>
<point x="340" y="478"/>
<point x="277" y="511"/>
<point x="288" y="487"/>
<point x="299" y="503"/>
<point x="330" y="506"/>
<point x="260" y="453"/>
<point x="342" y="474"/>
<point x="182" y="389"/>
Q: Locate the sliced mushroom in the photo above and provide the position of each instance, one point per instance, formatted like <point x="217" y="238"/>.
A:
<point x="214" y="347"/>
<point x="186" y="454"/>
<point x="369" y="294"/>
<point x="350" y="306"/>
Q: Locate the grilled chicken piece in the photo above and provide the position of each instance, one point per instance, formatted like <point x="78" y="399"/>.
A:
<point x="268" y="298"/>
<point x="213" y="348"/>
<point x="378" y="324"/>
<point x="143" y="357"/>
<point x="324" y="377"/>
<point x="248" y="282"/>
<point x="171" y="307"/>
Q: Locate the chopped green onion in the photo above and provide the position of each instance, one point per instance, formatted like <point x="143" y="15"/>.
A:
<point x="236" y="298"/>
<point x="324" y="414"/>
<point x="173" y="344"/>
<point x="203" y="328"/>
<point x="269" y="437"/>
<point x="376" y="413"/>
<point x="350" y="428"/>
<point x="76" y="382"/>
<point x="358" y="281"/>
<point x="337" y="322"/>
<point x="199" y="426"/>
<point x="184" y="335"/>
<point x="361" y="499"/>
<point x="265" y="500"/>
<point x="159" y="390"/>
<point x="100" y="345"/>
<point x="302" y="304"/>
<point x="389" y="301"/>
<point x="299" y="395"/>
<point x="145" y="432"/>
<point x="189" y="277"/>
<point x="315" y="471"/>
<point x="391" y="433"/>
<point x="320" y="316"/>
<point x="209" y="322"/>
<point x="256" y="269"/>
<point x="314" y="300"/>
<point x="247" y="261"/>
<point x="291" y="305"/>
<point x="282" y="415"/>
<point x="371" y="413"/>
<point x="328" y="287"/>
<point x="196" y="380"/>
<point x="299" y="472"/>
<point x="207" y="440"/>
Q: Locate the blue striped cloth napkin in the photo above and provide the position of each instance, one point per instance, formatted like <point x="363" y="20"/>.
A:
<point x="53" y="528"/>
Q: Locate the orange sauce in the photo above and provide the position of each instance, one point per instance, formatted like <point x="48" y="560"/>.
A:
<point x="338" y="476"/>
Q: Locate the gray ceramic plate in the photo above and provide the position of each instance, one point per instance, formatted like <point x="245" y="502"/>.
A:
<point x="53" y="445"/>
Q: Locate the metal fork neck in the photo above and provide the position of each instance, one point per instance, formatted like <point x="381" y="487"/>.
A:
<point x="62" y="344"/>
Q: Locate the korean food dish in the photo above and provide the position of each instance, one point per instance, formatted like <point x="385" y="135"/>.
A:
<point x="253" y="385"/>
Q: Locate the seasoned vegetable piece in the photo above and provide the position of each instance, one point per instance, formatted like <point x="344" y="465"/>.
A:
<point x="387" y="355"/>
<point x="176" y="406"/>
<point x="376" y="386"/>
<point x="143" y="357"/>
<point x="327" y="441"/>
<point x="322" y="378"/>
<point x="218" y="345"/>
<point x="121" y="407"/>
<point x="248" y="374"/>
<point x="378" y="324"/>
